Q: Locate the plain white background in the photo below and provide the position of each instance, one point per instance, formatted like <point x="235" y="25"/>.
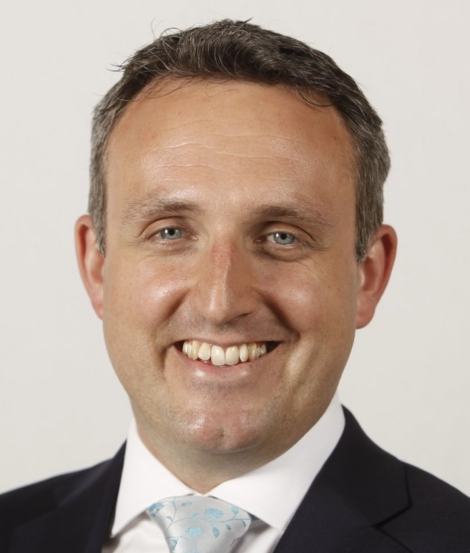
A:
<point x="408" y="379"/>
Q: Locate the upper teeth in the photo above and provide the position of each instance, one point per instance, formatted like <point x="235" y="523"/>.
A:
<point x="220" y="356"/>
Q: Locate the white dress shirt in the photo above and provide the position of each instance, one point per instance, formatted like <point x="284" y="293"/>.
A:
<point x="272" y="492"/>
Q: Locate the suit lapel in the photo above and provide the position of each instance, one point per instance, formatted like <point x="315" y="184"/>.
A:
<point x="80" y="523"/>
<point x="326" y="524"/>
<point x="359" y="487"/>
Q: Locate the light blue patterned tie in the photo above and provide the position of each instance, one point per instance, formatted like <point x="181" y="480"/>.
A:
<point x="194" y="524"/>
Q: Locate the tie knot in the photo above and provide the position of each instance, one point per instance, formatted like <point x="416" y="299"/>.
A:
<point x="194" y="524"/>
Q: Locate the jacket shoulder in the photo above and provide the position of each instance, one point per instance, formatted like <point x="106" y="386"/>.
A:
<point x="438" y="517"/>
<point x="34" y="501"/>
<point x="409" y="507"/>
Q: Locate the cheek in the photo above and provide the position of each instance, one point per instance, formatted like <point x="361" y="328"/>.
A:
<point x="320" y="306"/>
<point x="314" y="299"/>
<point x="139" y="300"/>
<point x="142" y="289"/>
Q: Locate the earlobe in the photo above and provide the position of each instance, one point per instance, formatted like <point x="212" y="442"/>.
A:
<point x="90" y="262"/>
<point x="374" y="273"/>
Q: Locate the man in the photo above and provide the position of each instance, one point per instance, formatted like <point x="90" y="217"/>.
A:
<point x="233" y="246"/>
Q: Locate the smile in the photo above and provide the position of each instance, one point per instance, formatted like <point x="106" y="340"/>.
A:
<point x="219" y="356"/>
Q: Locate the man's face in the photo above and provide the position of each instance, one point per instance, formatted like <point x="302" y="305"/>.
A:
<point x="231" y="221"/>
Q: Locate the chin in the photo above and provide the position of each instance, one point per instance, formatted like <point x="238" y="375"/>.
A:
<point x="221" y="435"/>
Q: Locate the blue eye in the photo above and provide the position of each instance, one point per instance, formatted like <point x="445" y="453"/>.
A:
<point x="282" y="238"/>
<point x="170" y="233"/>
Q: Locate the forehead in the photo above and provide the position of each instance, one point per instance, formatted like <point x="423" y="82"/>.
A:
<point x="232" y="134"/>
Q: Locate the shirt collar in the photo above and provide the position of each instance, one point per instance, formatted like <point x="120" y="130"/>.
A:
<point x="272" y="492"/>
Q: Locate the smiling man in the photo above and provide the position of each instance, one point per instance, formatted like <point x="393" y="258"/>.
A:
<point x="234" y="245"/>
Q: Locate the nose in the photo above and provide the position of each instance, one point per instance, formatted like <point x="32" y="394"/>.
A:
<point x="226" y="284"/>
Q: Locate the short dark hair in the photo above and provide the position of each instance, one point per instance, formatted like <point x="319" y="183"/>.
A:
<point x="241" y="51"/>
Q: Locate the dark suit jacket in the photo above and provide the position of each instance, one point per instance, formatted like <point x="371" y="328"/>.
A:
<point x="363" y="501"/>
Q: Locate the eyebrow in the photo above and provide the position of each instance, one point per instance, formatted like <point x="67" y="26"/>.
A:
<point x="150" y="207"/>
<point x="294" y="213"/>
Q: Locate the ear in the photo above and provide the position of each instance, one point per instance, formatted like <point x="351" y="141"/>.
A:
<point x="374" y="273"/>
<point x="90" y="262"/>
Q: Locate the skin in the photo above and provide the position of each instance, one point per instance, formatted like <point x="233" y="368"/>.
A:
<point x="223" y="167"/>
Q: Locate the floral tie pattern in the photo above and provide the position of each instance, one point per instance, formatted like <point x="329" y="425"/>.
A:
<point x="194" y="524"/>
